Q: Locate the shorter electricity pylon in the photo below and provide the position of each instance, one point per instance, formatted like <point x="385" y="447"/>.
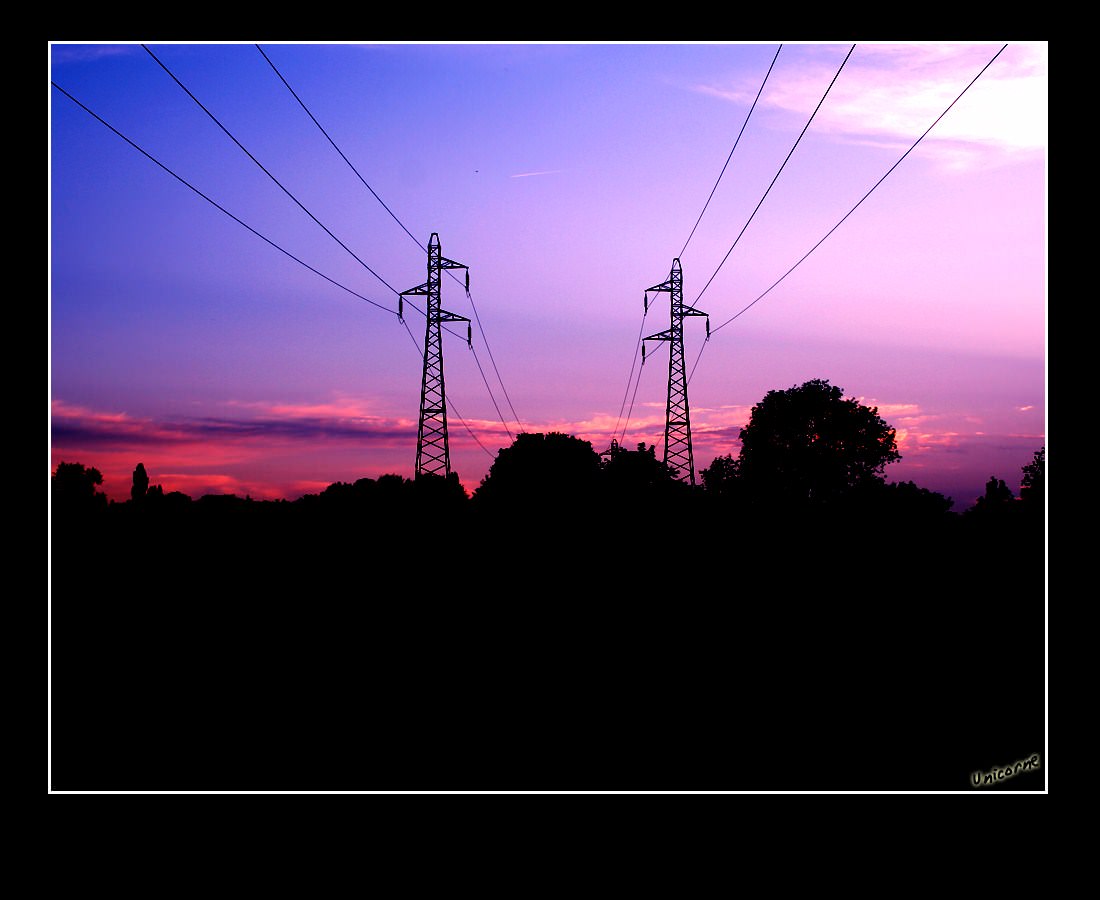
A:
<point x="433" y="451"/>
<point x="678" y="454"/>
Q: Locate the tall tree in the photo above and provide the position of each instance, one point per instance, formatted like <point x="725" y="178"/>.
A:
<point x="811" y="445"/>
<point x="140" y="486"/>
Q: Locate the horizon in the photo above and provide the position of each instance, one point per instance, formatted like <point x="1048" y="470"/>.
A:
<point x="180" y="340"/>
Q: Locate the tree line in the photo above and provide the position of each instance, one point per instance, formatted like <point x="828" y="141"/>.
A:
<point x="584" y="620"/>
<point x="807" y="452"/>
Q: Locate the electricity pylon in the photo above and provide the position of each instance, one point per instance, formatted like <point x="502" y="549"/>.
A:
<point x="677" y="418"/>
<point x="433" y="452"/>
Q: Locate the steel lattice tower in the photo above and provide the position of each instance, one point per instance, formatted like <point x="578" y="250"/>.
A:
<point x="433" y="452"/>
<point x="678" y="453"/>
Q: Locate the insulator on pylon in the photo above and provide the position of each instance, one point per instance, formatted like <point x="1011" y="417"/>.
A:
<point x="643" y="353"/>
<point x="469" y="335"/>
<point x="400" y="307"/>
<point x="645" y="300"/>
<point x="467" y="281"/>
<point x="708" y="328"/>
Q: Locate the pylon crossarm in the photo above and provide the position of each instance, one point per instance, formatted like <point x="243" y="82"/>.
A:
<point x="419" y="289"/>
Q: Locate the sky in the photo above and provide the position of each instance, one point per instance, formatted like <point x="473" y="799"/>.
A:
<point x="227" y="240"/>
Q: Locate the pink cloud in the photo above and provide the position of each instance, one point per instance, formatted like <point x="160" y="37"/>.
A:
<point x="279" y="450"/>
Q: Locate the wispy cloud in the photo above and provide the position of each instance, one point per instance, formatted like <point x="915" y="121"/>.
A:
<point x="211" y="453"/>
<point x="534" y="174"/>
<point x="889" y="94"/>
<point x="203" y="453"/>
<point x="277" y="421"/>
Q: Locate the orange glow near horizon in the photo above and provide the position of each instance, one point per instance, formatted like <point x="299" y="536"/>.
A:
<point x="301" y="449"/>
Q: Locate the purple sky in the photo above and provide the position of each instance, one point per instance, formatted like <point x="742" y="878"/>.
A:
<point x="567" y="177"/>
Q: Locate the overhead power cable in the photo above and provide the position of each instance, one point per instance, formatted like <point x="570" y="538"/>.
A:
<point x="728" y="158"/>
<point x="492" y="359"/>
<point x="338" y="150"/>
<point x="264" y="238"/>
<point x="855" y="207"/>
<point x="450" y="402"/>
<point x="267" y="173"/>
<point x="219" y="207"/>
<point x="393" y="215"/>
<point x="289" y="194"/>
<point x="630" y="412"/>
<point x="802" y="134"/>
<point x="767" y="191"/>
<point x="630" y="378"/>
<point x="637" y="343"/>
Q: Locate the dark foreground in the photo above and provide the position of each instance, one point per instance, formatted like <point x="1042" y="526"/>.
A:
<point x="277" y="655"/>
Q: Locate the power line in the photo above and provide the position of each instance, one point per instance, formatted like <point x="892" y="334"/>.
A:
<point x="338" y="150"/>
<point x="450" y="403"/>
<point x="691" y="307"/>
<point x="266" y="172"/>
<point x="856" y="206"/>
<point x="264" y="238"/>
<point x="492" y="359"/>
<point x="728" y="158"/>
<point x="777" y="174"/>
<point x="217" y="206"/>
<point x="641" y="328"/>
<point x="491" y="397"/>
<point x="393" y="215"/>
<point x="477" y="360"/>
<point x="295" y="199"/>
<point x="630" y="412"/>
<point x="630" y="377"/>
<point x="469" y="430"/>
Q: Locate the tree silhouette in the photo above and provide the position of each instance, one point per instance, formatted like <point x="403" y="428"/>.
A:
<point x="543" y="627"/>
<point x="635" y="475"/>
<point x="720" y="477"/>
<point x="73" y="488"/>
<point x="438" y="491"/>
<point x="998" y="507"/>
<point x="996" y="501"/>
<point x="540" y="471"/>
<point x="1033" y="485"/>
<point x="140" y="486"/>
<point x="913" y="505"/>
<point x="809" y="445"/>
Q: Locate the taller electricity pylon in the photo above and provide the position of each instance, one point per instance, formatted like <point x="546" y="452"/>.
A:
<point x="433" y="452"/>
<point x="677" y="417"/>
